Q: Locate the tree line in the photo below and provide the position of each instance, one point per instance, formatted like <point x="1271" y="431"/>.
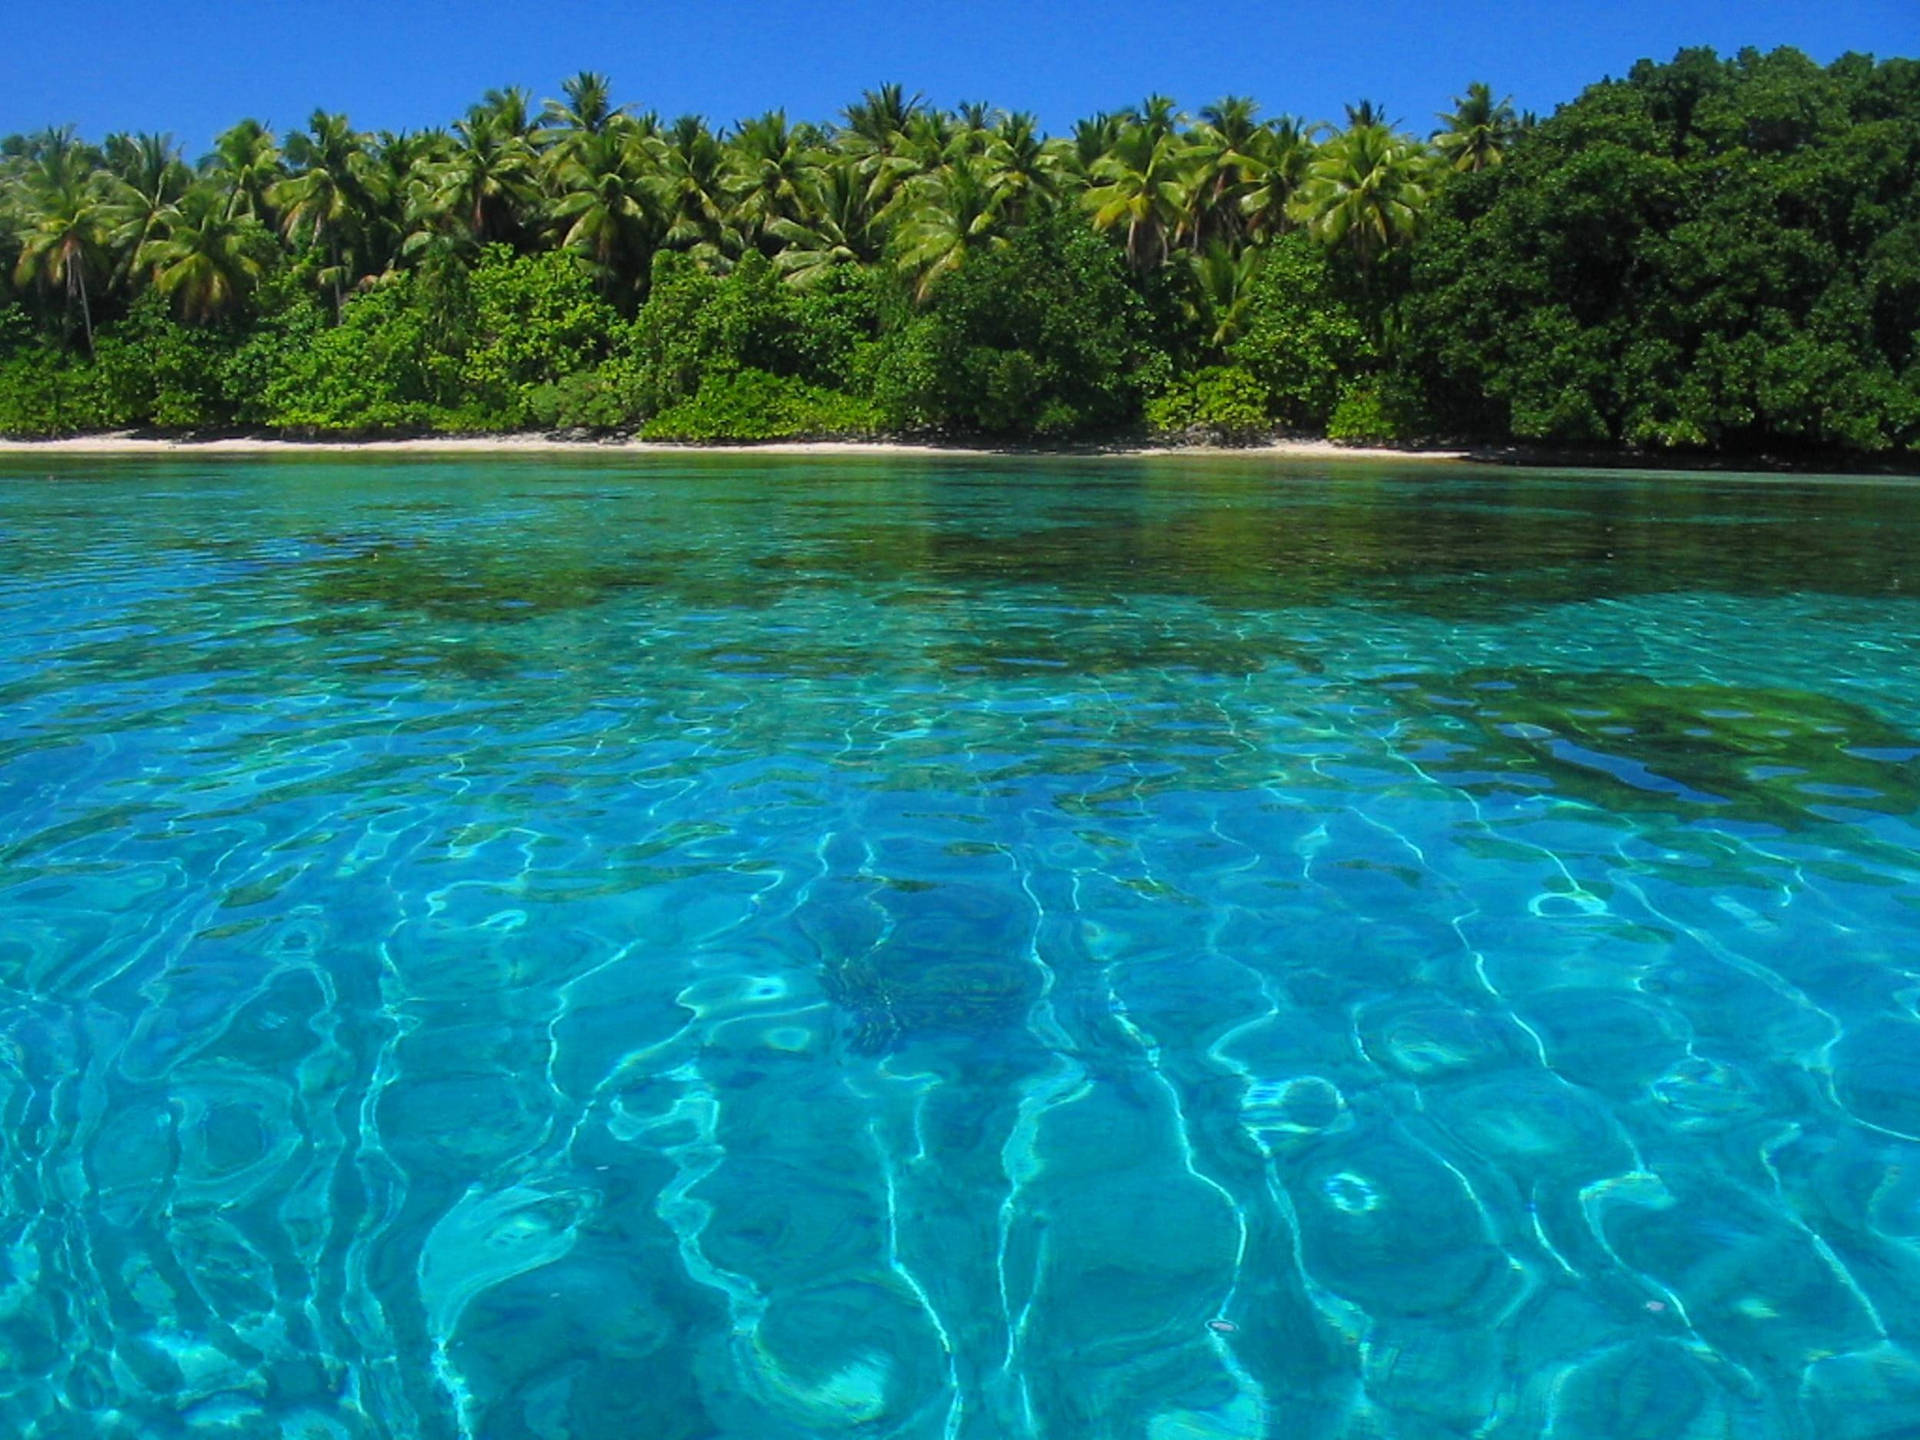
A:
<point x="1709" y="254"/>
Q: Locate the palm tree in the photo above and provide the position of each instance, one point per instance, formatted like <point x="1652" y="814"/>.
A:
<point x="609" y="211"/>
<point x="841" y="227"/>
<point x="588" y="110"/>
<point x="1366" y="114"/>
<point x="1223" y="283"/>
<point x="147" y="177"/>
<point x="65" y="231"/>
<point x="509" y="111"/>
<point x="1139" y="183"/>
<point x="1027" y="171"/>
<point x="400" y="218"/>
<point x="1093" y="138"/>
<point x="1281" y="152"/>
<point x="945" y="216"/>
<point x="1366" y="190"/>
<point x="1158" y="115"/>
<point x="871" y="136"/>
<point x="772" y="173"/>
<point x="976" y="121"/>
<point x="933" y="138"/>
<point x="483" y="184"/>
<point x="206" y="259"/>
<point x="881" y="114"/>
<point x="245" y="164"/>
<point x="1220" y="155"/>
<point x="52" y="143"/>
<point x="694" y="174"/>
<point x="331" y="197"/>
<point x="1477" y="130"/>
<point x="9" y="238"/>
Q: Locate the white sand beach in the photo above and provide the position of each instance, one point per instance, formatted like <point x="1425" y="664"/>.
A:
<point x="128" y="444"/>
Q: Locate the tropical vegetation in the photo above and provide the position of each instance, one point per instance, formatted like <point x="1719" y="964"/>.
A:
<point x="1708" y="254"/>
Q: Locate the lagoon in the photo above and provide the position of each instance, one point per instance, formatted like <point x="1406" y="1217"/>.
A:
<point x="565" y="947"/>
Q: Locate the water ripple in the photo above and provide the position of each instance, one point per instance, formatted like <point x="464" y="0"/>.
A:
<point x="749" y="948"/>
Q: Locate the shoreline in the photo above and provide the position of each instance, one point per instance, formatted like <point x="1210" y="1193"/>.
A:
<point x="521" y="443"/>
<point x="1509" y="456"/>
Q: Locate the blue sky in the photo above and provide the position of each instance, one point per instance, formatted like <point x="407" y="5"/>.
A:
<point x="194" y="66"/>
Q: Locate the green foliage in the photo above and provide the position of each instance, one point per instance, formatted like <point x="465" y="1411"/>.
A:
<point x="288" y="321"/>
<point x="150" y="370"/>
<point x="750" y="404"/>
<point x="596" y="399"/>
<point x="1041" y="338"/>
<point x="527" y="322"/>
<point x="1220" y="403"/>
<point x="44" y="390"/>
<point x="697" y="327"/>
<point x="1365" y="193"/>
<point x="375" y="371"/>
<point x="1378" y="410"/>
<point x="442" y="347"/>
<point x="674" y="336"/>
<point x="1707" y="254"/>
<point x="834" y="328"/>
<point x="1299" y="336"/>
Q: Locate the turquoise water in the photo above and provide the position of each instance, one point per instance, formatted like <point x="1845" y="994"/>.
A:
<point x="599" y="949"/>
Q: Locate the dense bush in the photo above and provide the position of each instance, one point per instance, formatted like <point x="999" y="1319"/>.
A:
<point x="44" y="389"/>
<point x="1221" y="403"/>
<point x="753" y="405"/>
<point x="698" y="328"/>
<point x="1707" y="253"/>
<point x="1044" y="337"/>
<point x="375" y="371"/>
<point x="286" y="322"/>
<point x="150" y="370"/>
<point x="1300" y="337"/>
<point x="520" y="323"/>
<point x="1379" y="410"/>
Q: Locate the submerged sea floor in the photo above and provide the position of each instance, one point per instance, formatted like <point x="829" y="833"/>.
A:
<point x="560" y="948"/>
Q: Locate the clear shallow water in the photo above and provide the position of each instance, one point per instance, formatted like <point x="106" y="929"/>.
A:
<point x="736" y="947"/>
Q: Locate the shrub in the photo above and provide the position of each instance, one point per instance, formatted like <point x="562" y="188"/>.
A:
<point x="374" y="371"/>
<point x="1707" y="253"/>
<point x="1045" y="337"/>
<point x="1299" y="336"/>
<point x="149" y="369"/>
<point x="44" y="391"/>
<point x="1223" y="403"/>
<point x="524" y="322"/>
<point x="697" y="327"/>
<point x="753" y="405"/>
<point x="596" y="399"/>
<point x="1378" y="410"/>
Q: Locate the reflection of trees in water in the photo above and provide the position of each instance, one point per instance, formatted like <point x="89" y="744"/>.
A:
<point x="1455" y="542"/>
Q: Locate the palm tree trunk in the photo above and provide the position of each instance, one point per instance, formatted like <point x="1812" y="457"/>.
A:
<point x="77" y="284"/>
